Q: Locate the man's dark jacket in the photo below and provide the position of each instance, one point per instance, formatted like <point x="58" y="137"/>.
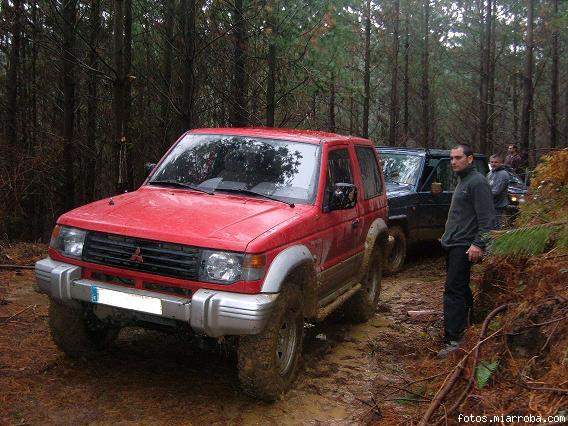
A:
<point x="472" y="215"/>
<point x="499" y="182"/>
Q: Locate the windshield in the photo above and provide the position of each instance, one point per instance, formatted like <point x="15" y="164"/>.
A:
<point x="400" y="168"/>
<point x="284" y="170"/>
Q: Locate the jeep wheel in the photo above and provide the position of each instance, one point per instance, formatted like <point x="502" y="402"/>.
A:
<point x="397" y="253"/>
<point x="78" y="332"/>
<point x="268" y="362"/>
<point x="363" y="304"/>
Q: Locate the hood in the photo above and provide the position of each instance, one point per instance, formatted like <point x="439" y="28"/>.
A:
<point x="397" y="189"/>
<point x="221" y="221"/>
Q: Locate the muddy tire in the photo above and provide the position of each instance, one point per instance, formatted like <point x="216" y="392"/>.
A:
<point x="362" y="305"/>
<point x="397" y="255"/>
<point x="78" y="332"/>
<point x="268" y="362"/>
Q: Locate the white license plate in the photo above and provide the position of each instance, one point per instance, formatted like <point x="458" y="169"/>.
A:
<point x="119" y="299"/>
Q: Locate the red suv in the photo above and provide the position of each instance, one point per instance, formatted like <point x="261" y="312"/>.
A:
<point x="236" y="232"/>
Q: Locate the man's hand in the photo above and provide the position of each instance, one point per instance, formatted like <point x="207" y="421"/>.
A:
<point x="474" y="253"/>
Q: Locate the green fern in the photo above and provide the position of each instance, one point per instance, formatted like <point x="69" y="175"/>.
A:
<point x="521" y="242"/>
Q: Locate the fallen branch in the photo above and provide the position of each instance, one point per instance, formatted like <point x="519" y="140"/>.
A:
<point x="546" y="389"/>
<point x="449" y="383"/>
<point x="18" y="313"/>
<point x="17" y="266"/>
<point x="476" y="357"/>
<point x="522" y="228"/>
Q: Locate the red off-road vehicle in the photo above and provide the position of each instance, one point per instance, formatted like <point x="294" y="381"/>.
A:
<point x="236" y="232"/>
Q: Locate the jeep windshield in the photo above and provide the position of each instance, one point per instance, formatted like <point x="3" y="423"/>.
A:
<point x="279" y="169"/>
<point x="402" y="169"/>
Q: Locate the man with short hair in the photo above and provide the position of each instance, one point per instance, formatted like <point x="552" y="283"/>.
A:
<point x="513" y="158"/>
<point x="470" y="219"/>
<point x="498" y="179"/>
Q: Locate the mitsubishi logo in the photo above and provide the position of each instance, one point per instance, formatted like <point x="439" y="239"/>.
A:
<point x="137" y="257"/>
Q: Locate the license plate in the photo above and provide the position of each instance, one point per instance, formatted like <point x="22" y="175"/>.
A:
<point x="119" y="299"/>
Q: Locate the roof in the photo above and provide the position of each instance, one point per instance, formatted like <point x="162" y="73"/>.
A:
<point x="310" y="136"/>
<point x="421" y="151"/>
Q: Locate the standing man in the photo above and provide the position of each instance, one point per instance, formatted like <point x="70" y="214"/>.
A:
<point x="513" y="158"/>
<point x="498" y="179"/>
<point x="470" y="219"/>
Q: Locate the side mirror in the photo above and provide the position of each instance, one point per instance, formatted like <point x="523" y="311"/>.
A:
<point x="344" y="196"/>
<point x="436" y="188"/>
<point x="149" y="167"/>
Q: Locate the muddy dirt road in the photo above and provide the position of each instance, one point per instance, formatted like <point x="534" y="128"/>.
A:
<point x="152" y="378"/>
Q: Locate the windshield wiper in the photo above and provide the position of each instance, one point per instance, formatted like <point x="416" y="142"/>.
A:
<point x="180" y="185"/>
<point x="249" y="192"/>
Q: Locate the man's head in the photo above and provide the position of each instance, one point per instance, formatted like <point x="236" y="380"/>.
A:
<point x="495" y="161"/>
<point x="512" y="149"/>
<point x="461" y="157"/>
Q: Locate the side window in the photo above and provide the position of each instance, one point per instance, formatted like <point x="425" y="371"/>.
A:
<point x="338" y="171"/>
<point x="426" y="178"/>
<point x="445" y="176"/>
<point x="370" y="175"/>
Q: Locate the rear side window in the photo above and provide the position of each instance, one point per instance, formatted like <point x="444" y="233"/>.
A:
<point x="481" y="166"/>
<point x="370" y="175"/>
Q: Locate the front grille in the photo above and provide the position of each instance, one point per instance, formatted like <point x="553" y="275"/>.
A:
<point x="155" y="257"/>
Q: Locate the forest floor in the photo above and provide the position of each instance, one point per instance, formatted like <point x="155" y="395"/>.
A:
<point x="352" y="374"/>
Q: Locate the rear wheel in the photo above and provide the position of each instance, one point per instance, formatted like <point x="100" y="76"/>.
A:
<point x="268" y="362"/>
<point x="78" y="332"/>
<point x="363" y="304"/>
<point x="397" y="254"/>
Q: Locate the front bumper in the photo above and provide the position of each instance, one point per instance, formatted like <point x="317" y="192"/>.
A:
<point x="214" y="313"/>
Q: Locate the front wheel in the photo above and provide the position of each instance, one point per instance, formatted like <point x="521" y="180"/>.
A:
<point x="363" y="304"/>
<point x="397" y="253"/>
<point x="77" y="332"/>
<point x="268" y="362"/>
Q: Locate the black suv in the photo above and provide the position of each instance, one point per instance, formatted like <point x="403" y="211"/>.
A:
<point x="420" y="185"/>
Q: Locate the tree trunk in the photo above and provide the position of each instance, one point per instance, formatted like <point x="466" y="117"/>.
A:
<point x="188" y="12"/>
<point x="169" y="12"/>
<point x="119" y="91"/>
<point x="515" y="100"/>
<point x="127" y="145"/>
<point x="367" y="72"/>
<point x="92" y="101"/>
<point x="393" y="127"/>
<point x="69" y="15"/>
<point x="527" y="80"/>
<point x="12" y="83"/>
<point x="425" y="77"/>
<point x="406" y="74"/>
<point x="271" y="84"/>
<point x="331" y="105"/>
<point x="491" y="81"/>
<point x="484" y="80"/>
<point x="240" y="112"/>
<point x="554" y="97"/>
<point x="35" y="51"/>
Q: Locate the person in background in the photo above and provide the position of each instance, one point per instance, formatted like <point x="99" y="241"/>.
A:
<point x="498" y="179"/>
<point x="470" y="219"/>
<point x="513" y="158"/>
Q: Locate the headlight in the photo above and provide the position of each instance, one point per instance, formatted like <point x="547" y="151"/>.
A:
<point x="68" y="241"/>
<point x="226" y="267"/>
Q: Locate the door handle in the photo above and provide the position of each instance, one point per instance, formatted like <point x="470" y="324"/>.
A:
<point x="355" y="223"/>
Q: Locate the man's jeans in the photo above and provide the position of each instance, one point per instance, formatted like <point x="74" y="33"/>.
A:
<point x="458" y="300"/>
